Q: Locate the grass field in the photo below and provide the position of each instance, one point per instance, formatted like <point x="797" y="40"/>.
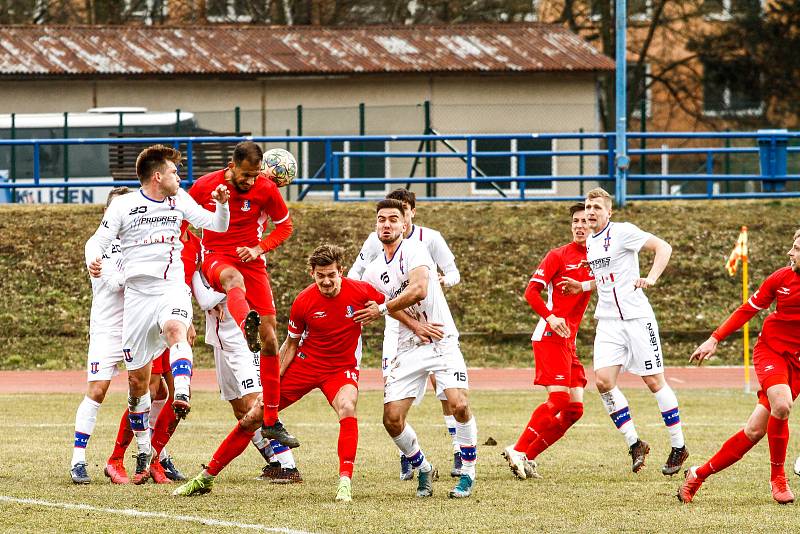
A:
<point x="587" y="484"/>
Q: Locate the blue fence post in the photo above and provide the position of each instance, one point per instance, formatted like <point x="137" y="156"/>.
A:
<point x="189" y="161"/>
<point x="66" y="156"/>
<point x="612" y="150"/>
<point x="469" y="158"/>
<point x="36" y="163"/>
<point x="521" y="173"/>
<point x="710" y="172"/>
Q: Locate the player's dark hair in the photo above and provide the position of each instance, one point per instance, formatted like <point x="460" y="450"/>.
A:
<point x="154" y="159"/>
<point x="116" y="192"/>
<point x="325" y="255"/>
<point x="796" y="235"/>
<point x="404" y="195"/>
<point x="575" y="208"/>
<point x="247" y="151"/>
<point x="390" y="203"/>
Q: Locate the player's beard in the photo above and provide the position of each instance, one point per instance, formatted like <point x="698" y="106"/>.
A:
<point x="393" y="239"/>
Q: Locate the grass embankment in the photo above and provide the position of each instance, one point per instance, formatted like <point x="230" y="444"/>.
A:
<point x="46" y="294"/>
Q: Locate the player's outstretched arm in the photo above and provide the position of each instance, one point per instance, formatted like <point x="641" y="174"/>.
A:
<point x="704" y="351"/>
<point x="201" y="217"/>
<point x="663" y="251"/>
<point x="446" y="261"/>
<point x="570" y="286"/>
<point x="369" y="251"/>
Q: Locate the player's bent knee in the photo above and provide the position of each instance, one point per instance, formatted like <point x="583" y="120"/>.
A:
<point x="97" y="390"/>
<point x="755" y="434"/>
<point x="781" y="409"/>
<point x="393" y="422"/>
<point x="573" y="412"/>
<point x="174" y="332"/>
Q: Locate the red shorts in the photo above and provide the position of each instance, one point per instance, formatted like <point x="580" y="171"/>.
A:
<point x="773" y="368"/>
<point x="256" y="280"/>
<point x="557" y="364"/>
<point x="161" y="364"/>
<point x="300" y="378"/>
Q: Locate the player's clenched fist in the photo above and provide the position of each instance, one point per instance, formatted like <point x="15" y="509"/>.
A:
<point x="221" y="194"/>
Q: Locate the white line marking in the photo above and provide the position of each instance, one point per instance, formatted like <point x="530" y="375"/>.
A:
<point x="159" y="515"/>
<point x="678" y="380"/>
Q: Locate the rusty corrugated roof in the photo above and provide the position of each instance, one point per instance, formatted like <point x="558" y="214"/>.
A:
<point x="280" y="50"/>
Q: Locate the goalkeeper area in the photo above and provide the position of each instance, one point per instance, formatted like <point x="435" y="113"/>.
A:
<point x="587" y="483"/>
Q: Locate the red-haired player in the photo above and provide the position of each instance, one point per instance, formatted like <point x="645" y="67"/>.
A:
<point x="776" y="358"/>
<point x="233" y="263"/>
<point x="558" y="368"/>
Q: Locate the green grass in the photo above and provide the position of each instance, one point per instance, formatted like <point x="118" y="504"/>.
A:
<point x="587" y="484"/>
<point x="46" y="293"/>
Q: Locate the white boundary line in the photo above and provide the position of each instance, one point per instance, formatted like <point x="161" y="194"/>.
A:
<point x="158" y="515"/>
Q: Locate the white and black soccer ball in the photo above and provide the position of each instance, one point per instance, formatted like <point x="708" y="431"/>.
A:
<point x="279" y="165"/>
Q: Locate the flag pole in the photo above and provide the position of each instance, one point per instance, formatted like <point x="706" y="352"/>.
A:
<point x="746" y="331"/>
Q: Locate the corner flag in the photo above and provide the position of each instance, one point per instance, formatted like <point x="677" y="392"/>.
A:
<point x="739" y="252"/>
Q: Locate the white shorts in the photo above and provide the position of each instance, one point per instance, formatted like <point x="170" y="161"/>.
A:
<point x="391" y="335"/>
<point x="143" y="320"/>
<point x="633" y="343"/>
<point x="105" y="352"/>
<point x="409" y="370"/>
<point x="237" y="368"/>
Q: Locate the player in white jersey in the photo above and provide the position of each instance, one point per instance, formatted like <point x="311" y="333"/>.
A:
<point x="157" y="305"/>
<point x="105" y="348"/>
<point x="427" y="344"/>
<point x="627" y="332"/>
<point x="446" y="262"/>
<point x="237" y="369"/>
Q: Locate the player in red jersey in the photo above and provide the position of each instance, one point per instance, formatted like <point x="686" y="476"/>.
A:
<point x="776" y="358"/>
<point x="234" y="264"/>
<point x="322" y="350"/>
<point x="163" y="419"/>
<point x="558" y="368"/>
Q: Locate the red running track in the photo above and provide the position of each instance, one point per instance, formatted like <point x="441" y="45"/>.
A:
<point x="480" y="379"/>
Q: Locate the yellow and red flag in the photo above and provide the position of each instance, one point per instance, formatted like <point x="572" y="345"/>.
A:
<point x="739" y="252"/>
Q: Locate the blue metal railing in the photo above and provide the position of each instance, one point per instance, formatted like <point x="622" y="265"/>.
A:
<point x="328" y="176"/>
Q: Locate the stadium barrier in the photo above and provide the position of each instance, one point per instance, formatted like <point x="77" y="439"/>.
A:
<point x="532" y="167"/>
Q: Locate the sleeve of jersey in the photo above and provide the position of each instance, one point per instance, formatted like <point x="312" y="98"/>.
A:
<point x="633" y="238"/>
<point x="418" y="257"/>
<point x="374" y="294"/>
<point x="365" y="256"/>
<point x="446" y="261"/>
<point x="296" y="324"/>
<point x="546" y="270"/>
<point x="760" y="300"/>
<point x="104" y="235"/>
<point x="278" y="235"/>
<point x="533" y="294"/>
<point x="205" y="296"/>
<point x="200" y="217"/>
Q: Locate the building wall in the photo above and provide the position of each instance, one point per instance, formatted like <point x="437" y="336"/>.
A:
<point x="393" y="105"/>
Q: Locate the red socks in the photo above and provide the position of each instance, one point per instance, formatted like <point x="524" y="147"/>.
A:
<point x="231" y="447"/>
<point x="543" y="417"/>
<point x="270" y="371"/>
<point x="124" y="437"/>
<point x="348" y="443"/>
<point x="165" y="427"/>
<point x="778" y="437"/>
<point x="731" y="452"/>
<point x="237" y="305"/>
<point x="565" y="419"/>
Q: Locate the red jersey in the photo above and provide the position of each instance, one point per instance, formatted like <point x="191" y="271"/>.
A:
<point x="331" y="339"/>
<point x="249" y="212"/>
<point x="191" y="255"/>
<point x="781" y="329"/>
<point x="558" y="263"/>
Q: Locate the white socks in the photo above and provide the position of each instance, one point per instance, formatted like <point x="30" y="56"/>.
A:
<point x="617" y="407"/>
<point x="408" y="444"/>
<point x="450" y="423"/>
<point x="668" y="405"/>
<point x="139" y="418"/>
<point x="283" y="454"/>
<point x="180" y="362"/>
<point x="467" y="439"/>
<point x="85" y="420"/>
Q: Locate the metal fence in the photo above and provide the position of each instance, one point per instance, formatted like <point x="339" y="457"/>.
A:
<point x="446" y="166"/>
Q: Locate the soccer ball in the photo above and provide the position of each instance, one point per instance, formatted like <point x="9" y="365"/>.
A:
<point x="279" y="165"/>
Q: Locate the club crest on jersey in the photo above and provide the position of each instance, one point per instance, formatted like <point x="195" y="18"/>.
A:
<point x="171" y="202"/>
<point x="348" y="312"/>
<point x="246" y="205"/>
<point x="94" y="367"/>
<point x="127" y="354"/>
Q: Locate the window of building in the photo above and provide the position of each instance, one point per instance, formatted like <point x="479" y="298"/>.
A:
<point x="638" y="10"/>
<point x="512" y="166"/>
<point x="726" y="9"/>
<point x="644" y="91"/>
<point x="147" y="11"/>
<point x="731" y="88"/>
<point x="228" y="11"/>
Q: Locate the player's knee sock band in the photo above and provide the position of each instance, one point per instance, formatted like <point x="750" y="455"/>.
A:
<point x="181" y="364"/>
<point x="237" y="305"/>
<point x="85" y="420"/>
<point x="139" y="418"/>
<point x="231" y="447"/>
<point x="408" y="444"/>
<point x="617" y="407"/>
<point x="467" y="438"/>
<point x="778" y="437"/>
<point x="668" y="405"/>
<point x="731" y="452"/>
<point x="283" y="454"/>
<point x="450" y="423"/>
<point x="271" y="384"/>
<point x="347" y="445"/>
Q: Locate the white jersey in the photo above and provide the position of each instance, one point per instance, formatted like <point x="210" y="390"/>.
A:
<point x="149" y="232"/>
<point x="613" y="256"/>
<point x="107" y="294"/>
<point x="434" y="243"/>
<point x="390" y="277"/>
